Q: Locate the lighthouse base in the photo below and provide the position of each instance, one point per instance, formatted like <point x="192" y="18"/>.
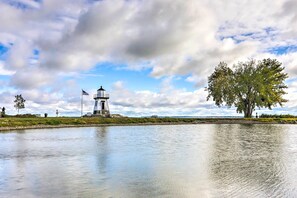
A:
<point x="103" y="113"/>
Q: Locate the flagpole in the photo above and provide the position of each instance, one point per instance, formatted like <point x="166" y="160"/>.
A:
<point x="82" y="101"/>
<point x="82" y="96"/>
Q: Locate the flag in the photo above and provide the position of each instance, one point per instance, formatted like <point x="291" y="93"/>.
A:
<point x="84" y="92"/>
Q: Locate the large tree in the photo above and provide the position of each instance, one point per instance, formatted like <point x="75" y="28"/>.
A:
<point x="248" y="85"/>
<point x="19" y="102"/>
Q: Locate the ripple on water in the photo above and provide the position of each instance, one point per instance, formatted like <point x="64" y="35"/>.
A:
<point x="151" y="161"/>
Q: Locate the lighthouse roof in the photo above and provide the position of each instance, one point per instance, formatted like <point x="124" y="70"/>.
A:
<point x="101" y="89"/>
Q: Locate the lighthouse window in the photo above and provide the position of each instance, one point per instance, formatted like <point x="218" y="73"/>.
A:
<point x="102" y="106"/>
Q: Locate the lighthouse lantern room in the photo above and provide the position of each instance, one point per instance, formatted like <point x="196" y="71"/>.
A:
<point x="101" y="103"/>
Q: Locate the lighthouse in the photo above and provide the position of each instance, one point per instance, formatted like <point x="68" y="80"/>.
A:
<point x="101" y="103"/>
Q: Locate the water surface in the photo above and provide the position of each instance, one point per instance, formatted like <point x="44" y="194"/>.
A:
<point x="150" y="161"/>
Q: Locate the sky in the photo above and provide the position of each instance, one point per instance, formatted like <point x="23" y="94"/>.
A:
<point x="152" y="57"/>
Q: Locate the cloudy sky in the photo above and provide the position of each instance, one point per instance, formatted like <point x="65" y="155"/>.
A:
<point x="153" y="57"/>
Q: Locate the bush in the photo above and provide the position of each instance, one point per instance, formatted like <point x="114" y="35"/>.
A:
<point x="53" y="122"/>
<point x="277" y="116"/>
<point x="26" y="116"/>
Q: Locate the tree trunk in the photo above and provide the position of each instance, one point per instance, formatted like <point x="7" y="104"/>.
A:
<point x="248" y="110"/>
<point x="247" y="114"/>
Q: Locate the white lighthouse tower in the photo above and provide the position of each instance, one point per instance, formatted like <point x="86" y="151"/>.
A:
<point x="101" y="103"/>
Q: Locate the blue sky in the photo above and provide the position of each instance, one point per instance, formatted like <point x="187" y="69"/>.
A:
<point x="153" y="57"/>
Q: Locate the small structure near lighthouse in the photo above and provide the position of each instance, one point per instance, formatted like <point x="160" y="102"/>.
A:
<point x="101" y="107"/>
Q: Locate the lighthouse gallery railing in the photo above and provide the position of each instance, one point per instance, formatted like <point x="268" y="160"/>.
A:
<point x="101" y="95"/>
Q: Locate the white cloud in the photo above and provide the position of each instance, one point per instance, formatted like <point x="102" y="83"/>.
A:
<point x="134" y="32"/>
<point x="29" y="78"/>
<point x="168" y="101"/>
<point x="176" y="38"/>
<point x="19" y="54"/>
<point x="172" y="38"/>
<point x="4" y="71"/>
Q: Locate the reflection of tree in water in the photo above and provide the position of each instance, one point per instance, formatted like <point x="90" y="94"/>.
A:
<point x="246" y="160"/>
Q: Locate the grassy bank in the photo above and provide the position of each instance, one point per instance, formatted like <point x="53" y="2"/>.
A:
<point x="13" y="122"/>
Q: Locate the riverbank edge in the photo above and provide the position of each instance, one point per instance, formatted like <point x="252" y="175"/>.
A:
<point x="200" y="121"/>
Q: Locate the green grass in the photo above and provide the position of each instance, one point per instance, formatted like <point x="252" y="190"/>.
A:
<point x="15" y="122"/>
<point x="52" y="121"/>
<point x="275" y="120"/>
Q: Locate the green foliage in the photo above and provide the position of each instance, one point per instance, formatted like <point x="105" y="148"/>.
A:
<point x="19" y="102"/>
<point x="277" y="116"/>
<point x="251" y="84"/>
<point x="2" y="114"/>
<point x="26" y="116"/>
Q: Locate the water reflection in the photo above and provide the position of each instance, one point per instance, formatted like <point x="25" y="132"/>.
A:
<point x="247" y="160"/>
<point x="150" y="161"/>
<point x="102" y="146"/>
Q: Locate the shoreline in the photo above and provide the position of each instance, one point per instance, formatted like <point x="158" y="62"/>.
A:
<point x="158" y="121"/>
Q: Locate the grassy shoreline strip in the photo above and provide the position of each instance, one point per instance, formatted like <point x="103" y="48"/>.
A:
<point x="12" y="123"/>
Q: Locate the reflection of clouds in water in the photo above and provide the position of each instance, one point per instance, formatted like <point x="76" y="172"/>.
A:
<point x="155" y="161"/>
<point x="247" y="160"/>
<point x="48" y="163"/>
<point x="151" y="161"/>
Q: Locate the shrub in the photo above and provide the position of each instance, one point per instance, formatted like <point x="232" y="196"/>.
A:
<point x="277" y="116"/>
<point x="26" y="116"/>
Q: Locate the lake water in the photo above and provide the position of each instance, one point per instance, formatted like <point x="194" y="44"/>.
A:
<point x="150" y="161"/>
